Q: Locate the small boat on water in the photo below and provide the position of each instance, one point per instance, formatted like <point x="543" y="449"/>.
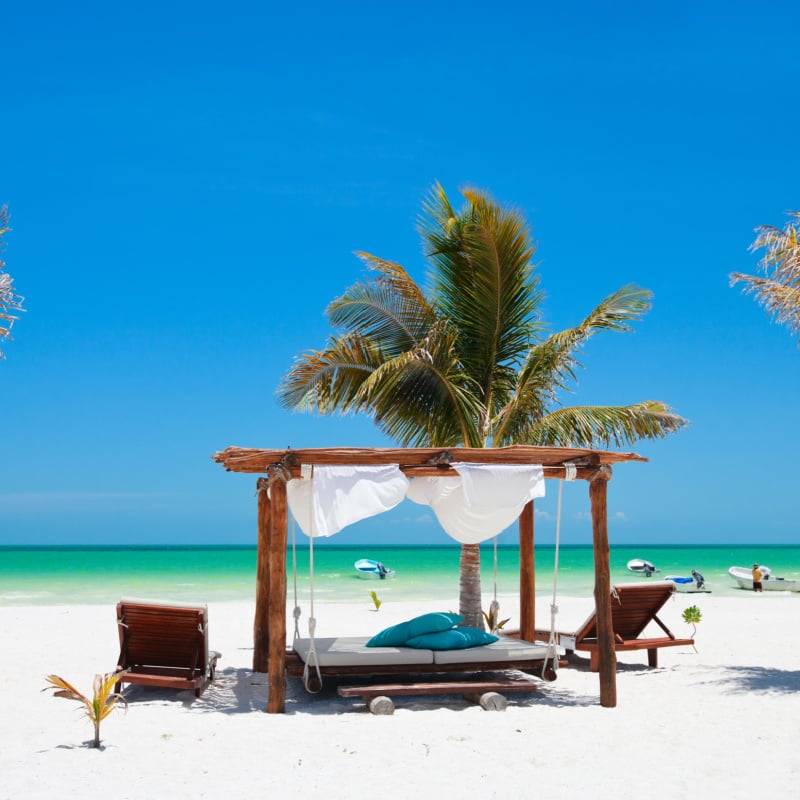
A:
<point x="642" y="567"/>
<point x="368" y="568"/>
<point x="691" y="585"/>
<point x="743" y="577"/>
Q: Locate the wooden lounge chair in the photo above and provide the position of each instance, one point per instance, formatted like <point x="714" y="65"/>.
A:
<point x="165" y="644"/>
<point x="633" y="607"/>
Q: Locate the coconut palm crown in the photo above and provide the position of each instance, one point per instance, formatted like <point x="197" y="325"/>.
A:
<point x="778" y="291"/>
<point x="467" y="362"/>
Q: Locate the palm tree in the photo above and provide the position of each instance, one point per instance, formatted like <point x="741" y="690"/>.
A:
<point x="9" y="301"/>
<point x="779" y="290"/>
<point x="467" y="363"/>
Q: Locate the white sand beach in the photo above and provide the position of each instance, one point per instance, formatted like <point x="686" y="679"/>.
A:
<point x="719" y="722"/>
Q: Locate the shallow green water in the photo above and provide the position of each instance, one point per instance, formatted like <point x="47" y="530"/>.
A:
<point x="70" y="575"/>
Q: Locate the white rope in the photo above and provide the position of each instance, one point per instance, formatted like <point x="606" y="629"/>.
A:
<point x="311" y="659"/>
<point x="297" y="611"/>
<point x="570" y="473"/>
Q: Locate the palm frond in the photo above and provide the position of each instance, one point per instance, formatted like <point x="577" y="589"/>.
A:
<point x="484" y="284"/>
<point x="423" y="398"/>
<point x="391" y="309"/>
<point x="778" y="292"/>
<point x="603" y="426"/>
<point x="551" y="365"/>
<point x="330" y="380"/>
<point x="62" y="688"/>
<point x="10" y="301"/>
<point x="437" y="207"/>
<point x="780" y="301"/>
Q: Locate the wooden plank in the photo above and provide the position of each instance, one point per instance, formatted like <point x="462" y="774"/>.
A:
<point x="436" y="687"/>
<point x="242" y="459"/>
<point x="638" y="644"/>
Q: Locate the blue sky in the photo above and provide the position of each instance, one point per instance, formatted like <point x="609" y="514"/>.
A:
<point x="188" y="183"/>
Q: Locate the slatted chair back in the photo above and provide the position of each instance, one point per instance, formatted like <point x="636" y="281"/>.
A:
<point x="162" y="636"/>
<point x="633" y="607"/>
<point x="165" y="644"/>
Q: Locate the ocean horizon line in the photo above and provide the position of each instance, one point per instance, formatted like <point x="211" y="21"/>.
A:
<point x="390" y="546"/>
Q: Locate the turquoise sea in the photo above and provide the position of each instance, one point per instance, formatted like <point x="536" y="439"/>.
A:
<point x="101" y="575"/>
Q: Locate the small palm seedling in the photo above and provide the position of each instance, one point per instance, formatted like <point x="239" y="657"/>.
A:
<point x="103" y="701"/>
<point x="375" y="600"/>
<point x="492" y="618"/>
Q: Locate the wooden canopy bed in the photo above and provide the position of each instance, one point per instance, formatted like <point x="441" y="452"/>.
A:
<point x="270" y="653"/>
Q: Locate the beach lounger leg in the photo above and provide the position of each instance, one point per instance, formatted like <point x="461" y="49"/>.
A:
<point x="652" y="657"/>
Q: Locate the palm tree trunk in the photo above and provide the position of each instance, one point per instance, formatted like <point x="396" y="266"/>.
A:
<point x="469" y="599"/>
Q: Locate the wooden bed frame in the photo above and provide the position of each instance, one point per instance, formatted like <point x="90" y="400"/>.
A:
<point x="354" y="659"/>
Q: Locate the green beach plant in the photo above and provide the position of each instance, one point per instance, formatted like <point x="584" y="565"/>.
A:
<point x="692" y="616"/>
<point x="97" y="707"/>
<point x="467" y="362"/>
<point x="376" y="602"/>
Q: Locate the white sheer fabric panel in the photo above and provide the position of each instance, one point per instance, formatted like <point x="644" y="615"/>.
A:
<point x="338" y="496"/>
<point x="483" y="501"/>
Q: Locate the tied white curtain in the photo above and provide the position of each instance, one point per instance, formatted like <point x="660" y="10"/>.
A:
<point x="338" y="496"/>
<point x="482" y="501"/>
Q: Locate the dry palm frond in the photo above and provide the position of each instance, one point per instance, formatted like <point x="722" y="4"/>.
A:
<point x="493" y="621"/>
<point x="778" y="292"/>
<point x="10" y="301"/>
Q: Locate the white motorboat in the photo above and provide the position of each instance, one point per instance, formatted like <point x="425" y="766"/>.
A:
<point x="369" y="568"/>
<point x="642" y="567"/>
<point x="743" y="577"/>
<point x="691" y="585"/>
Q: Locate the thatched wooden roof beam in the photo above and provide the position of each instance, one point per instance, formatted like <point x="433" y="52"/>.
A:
<point x="418" y="461"/>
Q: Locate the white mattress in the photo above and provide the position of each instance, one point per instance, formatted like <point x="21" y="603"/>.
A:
<point x="345" y="651"/>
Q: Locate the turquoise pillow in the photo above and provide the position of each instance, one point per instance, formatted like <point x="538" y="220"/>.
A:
<point x="453" y="639"/>
<point x="399" y="634"/>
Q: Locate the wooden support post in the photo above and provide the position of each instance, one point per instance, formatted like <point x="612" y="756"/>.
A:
<point x="527" y="575"/>
<point x="276" y="666"/>
<point x="606" y="657"/>
<point x="261" y="620"/>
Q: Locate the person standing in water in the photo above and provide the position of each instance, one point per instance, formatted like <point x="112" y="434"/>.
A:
<point x="757" y="576"/>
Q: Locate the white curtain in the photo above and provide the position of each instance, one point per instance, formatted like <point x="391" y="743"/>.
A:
<point x="482" y="501"/>
<point x="338" y="496"/>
